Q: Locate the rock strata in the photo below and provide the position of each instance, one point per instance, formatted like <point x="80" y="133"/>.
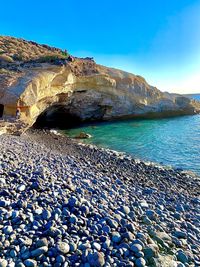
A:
<point x="65" y="91"/>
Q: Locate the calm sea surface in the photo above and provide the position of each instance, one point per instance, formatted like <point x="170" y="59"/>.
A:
<point x="171" y="141"/>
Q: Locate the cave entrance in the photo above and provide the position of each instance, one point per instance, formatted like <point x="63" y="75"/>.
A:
<point x="57" y="117"/>
<point x="1" y="110"/>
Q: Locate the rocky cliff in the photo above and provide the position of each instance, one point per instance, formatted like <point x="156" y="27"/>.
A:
<point x="53" y="87"/>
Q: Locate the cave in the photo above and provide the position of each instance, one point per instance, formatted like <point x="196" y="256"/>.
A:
<point x="1" y="110"/>
<point x="57" y="116"/>
<point x="80" y="109"/>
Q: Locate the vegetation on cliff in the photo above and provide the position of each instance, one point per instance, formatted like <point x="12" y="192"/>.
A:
<point x="17" y="49"/>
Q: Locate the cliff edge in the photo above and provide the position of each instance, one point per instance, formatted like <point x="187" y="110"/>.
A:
<point x="52" y="87"/>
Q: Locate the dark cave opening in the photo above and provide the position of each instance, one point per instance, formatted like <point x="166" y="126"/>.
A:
<point x="1" y="110"/>
<point x="58" y="116"/>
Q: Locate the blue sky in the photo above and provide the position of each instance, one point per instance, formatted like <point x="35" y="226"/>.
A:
<point x="157" y="39"/>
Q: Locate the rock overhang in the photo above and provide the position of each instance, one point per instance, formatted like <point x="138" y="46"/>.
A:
<point x="88" y="91"/>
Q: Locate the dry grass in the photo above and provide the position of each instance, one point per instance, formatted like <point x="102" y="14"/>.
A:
<point x="7" y="78"/>
<point x="6" y="58"/>
<point x="14" y="49"/>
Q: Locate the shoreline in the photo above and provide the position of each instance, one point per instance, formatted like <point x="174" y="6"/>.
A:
<point x="77" y="143"/>
<point x="98" y="201"/>
<point x="136" y="159"/>
<point x="155" y="163"/>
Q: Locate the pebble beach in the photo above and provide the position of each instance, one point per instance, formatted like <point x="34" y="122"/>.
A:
<point x="63" y="203"/>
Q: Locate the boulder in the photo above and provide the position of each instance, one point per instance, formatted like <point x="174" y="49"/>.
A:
<point x="83" y="135"/>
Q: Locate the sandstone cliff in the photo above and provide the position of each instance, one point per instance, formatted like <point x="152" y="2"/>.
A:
<point x="64" y="88"/>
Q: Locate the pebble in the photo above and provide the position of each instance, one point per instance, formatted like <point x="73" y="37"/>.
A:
<point x="21" y="188"/>
<point x="180" y="264"/>
<point x="46" y="214"/>
<point x="121" y="212"/>
<point x="30" y="263"/>
<point x="3" y="263"/>
<point x="150" y="252"/>
<point x="182" y="257"/>
<point x="140" y="262"/>
<point x="4" y="203"/>
<point x="63" y="247"/>
<point x="116" y="237"/>
<point x="96" y="259"/>
<point x="13" y="253"/>
<point x="96" y="246"/>
<point x="42" y="243"/>
<point x="136" y="248"/>
<point x="180" y="234"/>
<point x="8" y="230"/>
<point x="39" y="251"/>
<point x="126" y="210"/>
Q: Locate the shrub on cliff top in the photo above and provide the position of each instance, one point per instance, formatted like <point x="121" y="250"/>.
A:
<point x="21" y="50"/>
<point x="5" y="58"/>
<point x="50" y="58"/>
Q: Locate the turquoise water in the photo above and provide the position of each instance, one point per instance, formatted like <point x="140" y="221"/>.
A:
<point x="170" y="141"/>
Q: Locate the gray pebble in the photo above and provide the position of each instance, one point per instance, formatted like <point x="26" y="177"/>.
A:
<point x="30" y="263"/>
<point x="140" y="262"/>
<point x="63" y="247"/>
<point x="116" y="237"/>
<point x="39" y="251"/>
<point x="3" y="263"/>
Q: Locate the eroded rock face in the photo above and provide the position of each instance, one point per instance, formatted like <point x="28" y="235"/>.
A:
<point x="82" y="90"/>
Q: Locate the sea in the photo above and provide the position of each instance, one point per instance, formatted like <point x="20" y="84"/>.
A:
<point x="174" y="142"/>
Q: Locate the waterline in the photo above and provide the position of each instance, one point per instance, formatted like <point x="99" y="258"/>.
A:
<point x="170" y="141"/>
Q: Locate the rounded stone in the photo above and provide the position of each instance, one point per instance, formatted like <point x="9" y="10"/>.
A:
<point x="3" y="263"/>
<point x="8" y="229"/>
<point x="19" y="264"/>
<point x="151" y="214"/>
<point x="63" y="247"/>
<point x="96" y="259"/>
<point x="140" y="262"/>
<point x="96" y="246"/>
<point x="46" y="214"/>
<point x="42" y="242"/>
<point x="182" y="257"/>
<point x="30" y="263"/>
<point x="73" y="246"/>
<point x="72" y="201"/>
<point x="139" y="254"/>
<point x="136" y="248"/>
<point x="116" y="237"/>
<point x="4" y="203"/>
<point x="125" y="209"/>
<point x="106" y="229"/>
<point x="60" y="259"/>
<point x="180" y="234"/>
<point x="38" y="211"/>
<point x="13" y="253"/>
<point x="21" y="188"/>
<point x="39" y="251"/>
<point x="150" y="251"/>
